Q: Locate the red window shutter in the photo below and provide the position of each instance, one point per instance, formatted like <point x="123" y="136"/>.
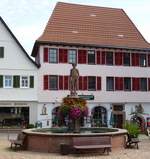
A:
<point x="45" y="55"/>
<point x="149" y="84"/>
<point x="149" y="60"/>
<point x="118" y="83"/>
<point x="85" y="83"/>
<point x="66" y="82"/>
<point x="135" y="59"/>
<point x="63" y="55"/>
<point x="60" y="55"/>
<point x="45" y="82"/>
<point x="135" y="84"/>
<point x="103" y="57"/>
<point x="61" y="81"/>
<point x="80" y="83"/>
<point x="82" y="56"/>
<point x="98" y="57"/>
<point x="118" y="58"/>
<point x="98" y="83"/>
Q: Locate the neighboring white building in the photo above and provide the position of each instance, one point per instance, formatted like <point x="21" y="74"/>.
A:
<point x="18" y="81"/>
<point x="112" y="57"/>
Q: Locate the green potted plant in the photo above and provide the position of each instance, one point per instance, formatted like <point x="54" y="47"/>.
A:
<point x="133" y="129"/>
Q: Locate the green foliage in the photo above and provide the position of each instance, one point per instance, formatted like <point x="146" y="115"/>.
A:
<point x="30" y="126"/>
<point x="132" y="128"/>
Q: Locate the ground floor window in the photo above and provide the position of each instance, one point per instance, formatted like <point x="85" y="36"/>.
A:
<point x="99" y="117"/>
<point x="14" y="116"/>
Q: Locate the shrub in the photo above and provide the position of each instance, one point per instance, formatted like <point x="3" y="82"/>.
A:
<point x="30" y="126"/>
<point x="132" y="128"/>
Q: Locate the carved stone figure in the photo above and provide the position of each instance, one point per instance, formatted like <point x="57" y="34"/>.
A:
<point x="44" y="110"/>
<point x="139" y="109"/>
<point x="74" y="75"/>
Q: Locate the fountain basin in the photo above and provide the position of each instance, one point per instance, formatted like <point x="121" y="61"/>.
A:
<point x="47" y="141"/>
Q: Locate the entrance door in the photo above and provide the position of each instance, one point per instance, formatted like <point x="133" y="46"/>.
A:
<point x="118" y="120"/>
<point x="118" y="115"/>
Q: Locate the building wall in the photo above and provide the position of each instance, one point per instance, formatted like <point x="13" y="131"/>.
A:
<point x="14" y="58"/>
<point x="102" y="96"/>
<point x="16" y="62"/>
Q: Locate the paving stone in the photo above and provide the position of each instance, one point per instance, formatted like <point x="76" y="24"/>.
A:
<point x="142" y="153"/>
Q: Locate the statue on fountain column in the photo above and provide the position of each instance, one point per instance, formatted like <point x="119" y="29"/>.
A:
<point x="74" y="75"/>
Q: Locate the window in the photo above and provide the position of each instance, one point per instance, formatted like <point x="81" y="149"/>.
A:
<point x="72" y="56"/>
<point x="127" y="84"/>
<point x="53" y="82"/>
<point x="143" y="84"/>
<point x="24" y="82"/>
<point x="91" y="83"/>
<point x="53" y="56"/>
<point x="142" y="60"/>
<point x="91" y="57"/>
<point x="8" y="81"/>
<point x="110" y="84"/>
<point x="126" y="59"/>
<point x="1" y="52"/>
<point x="109" y="58"/>
<point x="118" y="107"/>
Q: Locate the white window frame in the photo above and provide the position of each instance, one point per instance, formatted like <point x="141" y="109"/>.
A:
<point x="50" y="53"/>
<point x="72" y="52"/>
<point x="21" y="81"/>
<point x="5" y="83"/>
<point x="91" y="52"/>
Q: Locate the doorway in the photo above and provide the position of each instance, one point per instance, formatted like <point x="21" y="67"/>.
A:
<point x="118" y="120"/>
<point x="118" y="116"/>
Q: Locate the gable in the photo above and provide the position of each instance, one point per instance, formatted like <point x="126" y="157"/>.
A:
<point x="15" y="57"/>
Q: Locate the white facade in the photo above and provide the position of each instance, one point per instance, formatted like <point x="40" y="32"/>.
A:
<point x="106" y="99"/>
<point x="17" y="63"/>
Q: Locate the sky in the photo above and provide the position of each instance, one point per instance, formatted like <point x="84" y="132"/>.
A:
<point x="27" y="18"/>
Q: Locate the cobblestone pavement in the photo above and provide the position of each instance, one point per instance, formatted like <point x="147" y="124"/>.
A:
<point x="142" y="153"/>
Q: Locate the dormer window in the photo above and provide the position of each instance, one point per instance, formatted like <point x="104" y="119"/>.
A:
<point x="1" y="52"/>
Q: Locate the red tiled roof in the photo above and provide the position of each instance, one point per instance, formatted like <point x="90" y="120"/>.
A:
<point x="90" y="25"/>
